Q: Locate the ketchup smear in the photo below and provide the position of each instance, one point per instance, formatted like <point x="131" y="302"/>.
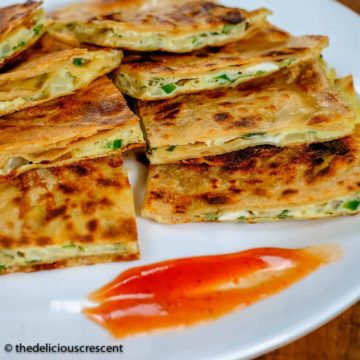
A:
<point x="188" y="291"/>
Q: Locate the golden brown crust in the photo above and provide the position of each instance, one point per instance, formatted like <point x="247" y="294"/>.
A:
<point x="76" y="261"/>
<point x="269" y="44"/>
<point x="98" y="107"/>
<point x="86" y="203"/>
<point x="295" y="101"/>
<point x="257" y="178"/>
<point x="15" y="15"/>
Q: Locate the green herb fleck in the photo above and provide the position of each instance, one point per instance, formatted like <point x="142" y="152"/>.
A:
<point x="223" y="79"/>
<point x="352" y="205"/>
<point x="227" y="28"/>
<point x="20" y="45"/>
<point x="249" y="135"/>
<point x="286" y="62"/>
<point x="194" y="40"/>
<point x="168" y="88"/>
<point x="204" y="35"/>
<point x="2" y="267"/>
<point x="37" y="29"/>
<point x="115" y="144"/>
<point x="260" y="72"/>
<point x="171" y="148"/>
<point x="211" y="216"/>
<point x="241" y="218"/>
<point x="81" y="248"/>
<point x="79" y="61"/>
<point x="284" y="215"/>
<point x="69" y="246"/>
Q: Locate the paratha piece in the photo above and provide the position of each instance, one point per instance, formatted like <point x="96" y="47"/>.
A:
<point x="160" y="76"/>
<point x="262" y="183"/>
<point x="77" y="214"/>
<point x="297" y="105"/>
<point x="170" y="26"/>
<point x="94" y="121"/>
<point x="52" y="75"/>
<point x="21" y="26"/>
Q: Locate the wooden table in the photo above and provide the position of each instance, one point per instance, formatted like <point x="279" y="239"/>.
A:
<point x="339" y="339"/>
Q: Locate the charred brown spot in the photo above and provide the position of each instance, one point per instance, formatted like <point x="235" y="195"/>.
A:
<point x="247" y="122"/>
<point x="43" y="240"/>
<point x="317" y="119"/>
<point x="201" y="55"/>
<point x="215" y="94"/>
<point x="214" y="199"/>
<point x="92" y="225"/>
<point x="67" y="189"/>
<point x="335" y="147"/>
<point x="79" y="170"/>
<point x="6" y="242"/>
<point x="214" y="183"/>
<point x="115" y="162"/>
<point x="108" y="182"/>
<point x="50" y="266"/>
<point x="259" y="192"/>
<point x="88" y="238"/>
<point x="233" y="17"/>
<point x="222" y="116"/>
<point x="53" y="213"/>
<point x="289" y="192"/>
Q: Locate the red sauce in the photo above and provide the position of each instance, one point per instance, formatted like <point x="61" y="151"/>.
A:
<point x="187" y="291"/>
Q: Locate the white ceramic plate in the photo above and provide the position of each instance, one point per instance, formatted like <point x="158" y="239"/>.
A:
<point x="45" y="307"/>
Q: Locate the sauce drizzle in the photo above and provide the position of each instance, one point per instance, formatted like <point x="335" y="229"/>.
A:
<point x="188" y="291"/>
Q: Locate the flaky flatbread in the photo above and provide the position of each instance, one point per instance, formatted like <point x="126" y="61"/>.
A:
<point x="49" y="76"/>
<point x="168" y="26"/>
<point x="77" y="214"/>
<point x="92" y="122"/>
<point x="297" y="105"/>
<point x="261" y="183"/>
<point x="160" y="76"/>
<point x="20" y="26"/>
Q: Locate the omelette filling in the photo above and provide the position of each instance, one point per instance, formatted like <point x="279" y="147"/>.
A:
<point x="222" y="145"/>
<point x="109" y="142"/>
<point x="75" y="73"/>
<point x="102" y="33"/>
<point x="20" y="37"/>
<point x="52" y="253"/>
<point x="160" y="87"/>
<point x="343" y="206"/>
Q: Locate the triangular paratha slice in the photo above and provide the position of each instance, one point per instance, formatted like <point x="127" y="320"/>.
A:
<point x="298" y="105"/>
<point x="261" y="183"/>
<point x="78" y="214"/>
<point x="92" y="122"/>
<point x="43" y="78"/>
<point x="160" y="76"/>
<point x="170" y="26"/>
<point x="20" y="26"/>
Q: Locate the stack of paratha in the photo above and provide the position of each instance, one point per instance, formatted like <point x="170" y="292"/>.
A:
<point x="242" y="121"/>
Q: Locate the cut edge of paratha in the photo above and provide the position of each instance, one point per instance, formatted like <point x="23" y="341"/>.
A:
<point x="93" y="122"/>
<point x="41" y="79"/>
<point x="21" y="26"/>
<point x="170" y="27"/>
<point x="79" y="214"/>
<point x="225" y="120"/>
<point x="263" y="183"/>
<point x="160" y="76"/>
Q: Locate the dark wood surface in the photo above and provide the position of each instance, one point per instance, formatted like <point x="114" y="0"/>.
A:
<point x="337" y="340"/>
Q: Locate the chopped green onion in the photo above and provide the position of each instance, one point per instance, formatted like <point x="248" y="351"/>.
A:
<point x="171" y="148"/>
<point x="260" y="72"/>
<point x="211" y="217"/>
<point x="227" y="28"/>
<point x="114" y="145"/>
<point x="284" y="215"/>
<point x="352" y="205"/>
<point x="70" y="246"/>
<point x="2" y="267"/>
<point x="168" y="88"/>
<point x="20" y="45"/>
<point x="223" y="79"/>
<point x="286" y="62"/>
<point x="78" y="61"/>
<point x="37" y="29"/>
<point x="241" y="218"/>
